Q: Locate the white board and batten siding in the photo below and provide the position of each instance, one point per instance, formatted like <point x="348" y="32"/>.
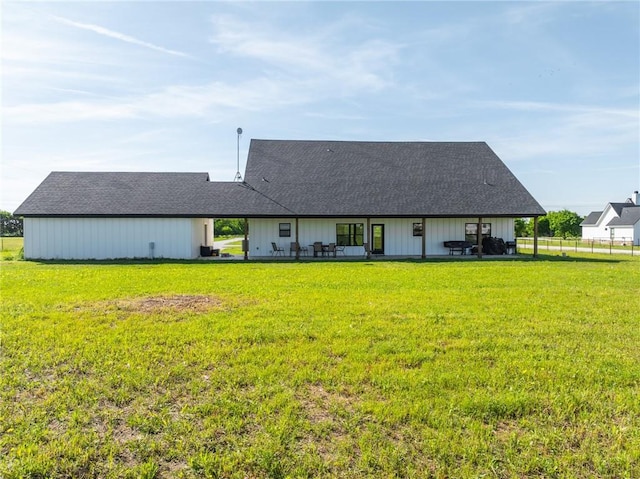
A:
<point x="440" y="230"/>
<point x="114" y="238"/>
<point x="398" y="232"/>
<point x="600" y="230"/>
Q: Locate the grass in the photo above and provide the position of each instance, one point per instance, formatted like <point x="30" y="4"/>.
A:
<point x="353" y="369"/>
<point x="235" y="247"/>
<point x="10" y="248"/>
<point x="571" y="244"/>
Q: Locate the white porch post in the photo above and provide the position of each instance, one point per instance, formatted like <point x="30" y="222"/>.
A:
<point x="535" y="237"/>
<point x="297" y="241"/>
<point x="245" y="243"/>
<point x="369" y="237"/>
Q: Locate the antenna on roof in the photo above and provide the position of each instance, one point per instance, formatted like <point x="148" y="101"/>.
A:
<point x="238" y="176"/>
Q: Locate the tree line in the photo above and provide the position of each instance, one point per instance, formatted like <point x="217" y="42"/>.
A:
<point x="559" y="224"/>
<point x="10" y="225"/>
<point x="228" y="227"/>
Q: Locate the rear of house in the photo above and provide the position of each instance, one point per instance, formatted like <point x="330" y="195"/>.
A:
<point x="399" y="198"/>
<point x="396" y="198"/>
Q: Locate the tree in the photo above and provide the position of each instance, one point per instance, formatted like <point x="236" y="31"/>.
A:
<point x="10" y="225"/>
<point x="525" y="227"/>
<point x="543" y="226"/>
<point x="564" y="223"/>
<point x="521" y="227"/>
<point x="228" y="226"/>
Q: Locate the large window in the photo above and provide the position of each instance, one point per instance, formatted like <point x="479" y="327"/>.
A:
<point x="349" y="234"/>
<point x="471" y="232"/>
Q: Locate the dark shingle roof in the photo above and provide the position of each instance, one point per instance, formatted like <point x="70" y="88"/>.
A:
<point x="591" y="219"/>
<point x="629" y="216"/>
<point x="305" y="178"/>
<point x="65" y="193"/>
<point x="618" y="207"/>
<point x="346" y="178"/>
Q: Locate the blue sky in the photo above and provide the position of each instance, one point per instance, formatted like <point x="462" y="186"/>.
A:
<point x="552" y="87"/>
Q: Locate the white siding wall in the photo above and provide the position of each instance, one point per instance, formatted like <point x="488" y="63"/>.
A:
<point x="623" y="233"/>
<point x="264" y="231"/>
<point x="589" y="232"/>
<point x="600" y="230"/>
<point x="629" y="234"/>
<point x="399" y="239"/>
<point x="440" y="230"/>
<point x="107" y="238"/>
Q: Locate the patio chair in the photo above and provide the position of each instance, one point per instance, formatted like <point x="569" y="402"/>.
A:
<point x="340" y="249"/>
<point x="317" y="248"/>
<point x="296" y="247"/>
<point x="331" y="250"/>
<point x="276" y="250"/>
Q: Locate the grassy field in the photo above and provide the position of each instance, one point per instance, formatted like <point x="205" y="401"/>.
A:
<point x="571" y="245"/>
<point x="446" y="368"/>
<point x="234" y="248"/>
<point x="10" y="248"/>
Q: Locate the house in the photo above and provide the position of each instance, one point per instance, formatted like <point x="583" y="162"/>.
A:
<point x="401" y="198"/>
<point x="78" y="215"/>
<point x="619" y="222"/>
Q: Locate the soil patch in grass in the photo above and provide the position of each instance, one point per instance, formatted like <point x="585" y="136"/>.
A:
<point x="178" y="303"/>
<point x="327" y="413"/>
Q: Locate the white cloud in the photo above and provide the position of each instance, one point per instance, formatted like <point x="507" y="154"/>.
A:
<point x="367" y="65"/>
<point x="299" y="72"/>
<point x="547" y="143"/>
<point x="118" y="36"/>
<point x="175" y="101"/>
<point x="533" y="106"/>
<point x="531" y="14"/>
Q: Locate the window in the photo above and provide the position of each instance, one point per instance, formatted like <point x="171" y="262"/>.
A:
<point x="471" y="232"/>
<point x="349" y="234"/>
<point x="285" y="230"/>
<point x="417" y="229"/>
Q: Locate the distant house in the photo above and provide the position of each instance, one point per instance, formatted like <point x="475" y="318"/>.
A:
<point x="619" y="222"/>
<point x="399" y="198"/>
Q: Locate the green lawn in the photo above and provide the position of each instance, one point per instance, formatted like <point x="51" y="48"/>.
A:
<point x="234" y="248"/>
<point x="10" y="248"/>
<point x="446" y="368"/>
